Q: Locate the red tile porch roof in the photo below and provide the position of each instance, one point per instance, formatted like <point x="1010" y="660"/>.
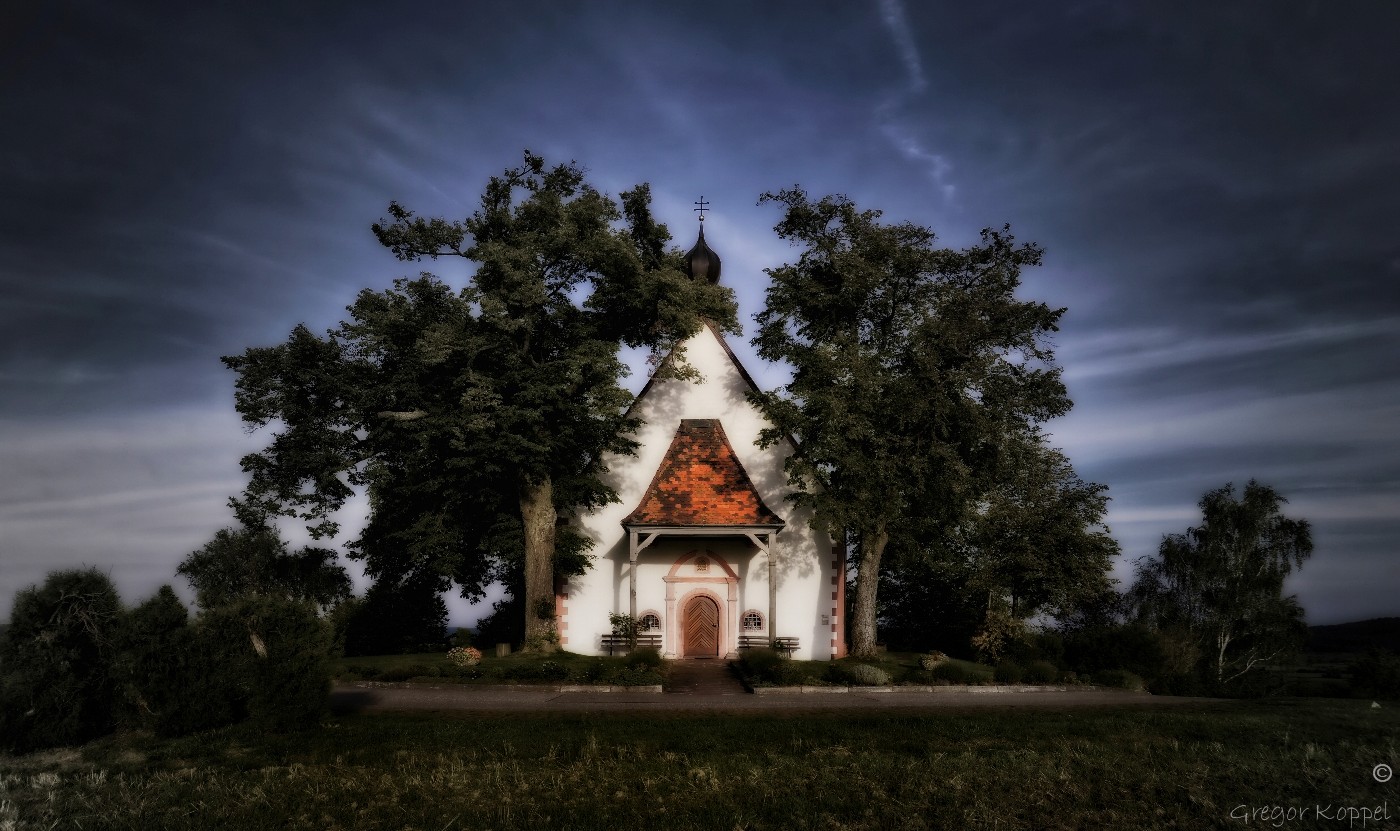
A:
<point x="701" y="482"/>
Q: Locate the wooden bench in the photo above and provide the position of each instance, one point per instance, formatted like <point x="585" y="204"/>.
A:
<point x="787" y="646"/>
<point x="613" y="642"/>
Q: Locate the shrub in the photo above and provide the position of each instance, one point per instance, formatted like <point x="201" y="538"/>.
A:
<point x="464" y="656"/>
<point x="625" y="626"/>
<point x="397" y="617"/>
<point x="1041" y="672"/>
<point x="207" y="688"/>
<point x="393" y="674"/>
<point x="368" y="673"/>
<point x="1008" y="672"/>
<point x="1000" y="632"/>
<point x="765" y="667"/>
<point x="932" y="660"/>
<point x="646" y="656"/>
<point x="150" y="663"/>
<point x="1134" y="647"/>
<point x="1377" y="675"/>
<point x="1188" y="683"/>
<point x="1119" y="678"/>
<point x="636" y="676"/>
<point x="547" y="670"/>
<point x="592" y="672"/>
<point x="861" y="675"/>
<point x="276" y="661"/>
<point x="951" y="672"/>
<point x="57" y="685"/>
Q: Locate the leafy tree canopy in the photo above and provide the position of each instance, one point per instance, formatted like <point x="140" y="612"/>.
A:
<point x="254" y="561"/>
<point x="1036" y="539"/>
<point x="1034" y="543"/>
<point x="473" y="416"/>
<point x="56" y="684"/>
<point x="1221" y="582"/>
<point x="912" y="364"/>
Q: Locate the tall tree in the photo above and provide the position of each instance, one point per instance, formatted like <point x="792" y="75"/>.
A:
<point x="911" y="363"/>
<point x="1222" y="581"/>
<point x="1036" y="541"/>
<point x="474" y="417"/>
<point x="1033" y="543"/>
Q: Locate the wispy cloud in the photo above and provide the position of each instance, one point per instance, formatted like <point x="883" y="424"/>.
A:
<point x="892" y="13"/>
<point x="904" y="140"/>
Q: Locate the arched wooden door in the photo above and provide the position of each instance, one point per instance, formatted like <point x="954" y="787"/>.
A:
<point x="700" y="628"/>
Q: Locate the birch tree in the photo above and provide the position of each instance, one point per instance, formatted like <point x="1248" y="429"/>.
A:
<point x="1222" y="581"/>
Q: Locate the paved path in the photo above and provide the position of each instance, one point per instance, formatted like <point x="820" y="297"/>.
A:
<point x="704" y="677"/>
<point x="367" y="697"/>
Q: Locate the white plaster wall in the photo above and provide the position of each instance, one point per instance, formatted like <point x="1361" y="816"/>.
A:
<point x="804" y="557"/>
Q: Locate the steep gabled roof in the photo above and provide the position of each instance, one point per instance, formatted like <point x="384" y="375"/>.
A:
<point x="666" y="361"/>
<point x="701" y="482"/>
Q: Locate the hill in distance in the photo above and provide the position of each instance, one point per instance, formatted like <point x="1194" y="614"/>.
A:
<point x="1357" y="637"/>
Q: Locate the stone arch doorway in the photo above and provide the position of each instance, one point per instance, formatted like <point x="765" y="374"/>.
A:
<point x="700" y="627"/>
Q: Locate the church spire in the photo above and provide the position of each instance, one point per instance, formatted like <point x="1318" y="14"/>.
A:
<point x="702" y="263"/>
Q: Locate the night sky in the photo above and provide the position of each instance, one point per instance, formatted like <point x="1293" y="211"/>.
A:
<point x="1217" y="190"/>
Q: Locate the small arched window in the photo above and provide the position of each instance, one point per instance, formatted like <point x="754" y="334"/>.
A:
<point x="753" y="621"/>
<point x="650" y="622"/>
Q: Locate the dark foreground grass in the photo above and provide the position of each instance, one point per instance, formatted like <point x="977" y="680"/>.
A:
<point x="1127" y="768"/>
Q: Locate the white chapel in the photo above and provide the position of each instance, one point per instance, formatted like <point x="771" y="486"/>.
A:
<point x="702" y="546"/>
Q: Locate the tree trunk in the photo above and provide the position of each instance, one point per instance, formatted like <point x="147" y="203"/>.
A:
<point x="537" y="515"/>
<point x="872" y="547"/>
<point x="1222" y="642"/>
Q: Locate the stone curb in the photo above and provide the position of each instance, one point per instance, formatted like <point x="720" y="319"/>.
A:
<point x="949" y="690"/>
<point x="405" y="685"/>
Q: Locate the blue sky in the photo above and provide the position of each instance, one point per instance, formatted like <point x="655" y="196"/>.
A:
<point x="1217" y="190"/>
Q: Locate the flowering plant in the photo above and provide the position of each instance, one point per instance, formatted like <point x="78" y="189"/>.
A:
<point x="464" y="656"/>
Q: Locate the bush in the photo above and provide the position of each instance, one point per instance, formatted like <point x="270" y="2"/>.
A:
<point x="1136" y="648"/>
<point x="547" y="670"/>
<point x="1008" y="672"/>
<point x="397" y="618"/>
<point x="150" y="664"/>
<point x="464" y="656"/>
<point x="57" y="662"/>
<point x="636" y="676"/>
<point x="1120" y="678"/>
<point x="932" y="660"/>
<point x="1041" y="672"/>
<point x="1377" y="675"/>
<point x="272" y="659"/>
<point x="951" y="672"/>
<point x="1189" y="683"/>
<point x="765" y="667"/>
<point x="206" y="688"/>
<point x="648" y="657"/>
<point x="858" y="675"/>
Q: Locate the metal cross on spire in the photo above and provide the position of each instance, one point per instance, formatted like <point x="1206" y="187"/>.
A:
<point x="704" y="206"/>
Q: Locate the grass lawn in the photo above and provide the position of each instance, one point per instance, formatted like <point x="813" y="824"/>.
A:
<point x="1034" y="769"/>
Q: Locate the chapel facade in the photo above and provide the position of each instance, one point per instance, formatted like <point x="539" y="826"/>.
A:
<point x="703" y="547"/>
